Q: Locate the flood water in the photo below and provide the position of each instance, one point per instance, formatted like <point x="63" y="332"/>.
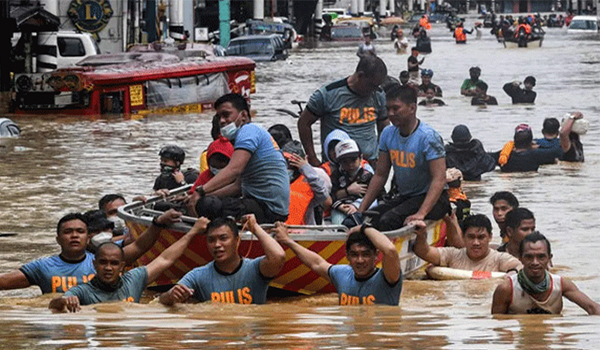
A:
<point x="60" y="165"/>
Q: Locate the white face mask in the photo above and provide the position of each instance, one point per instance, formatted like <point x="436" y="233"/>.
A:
<point x="229" y="131"/>
<point x="100" y="238"/>
<point x="120" y="227"/>
<point x="214" y="170"/>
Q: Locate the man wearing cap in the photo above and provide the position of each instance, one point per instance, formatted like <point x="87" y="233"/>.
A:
<point x="468" y="155"/>
<point x="74" y="264"/>
<point x="426" y="84"/>
<point x="309" y="186"/>
<point x="469" y="85"/>
<point x="354" y="104"/>
<point x="519" y="95"/>
<point x="255" y="180"/>
<point x="519" y="155"/>
<point x="416" y="151"/>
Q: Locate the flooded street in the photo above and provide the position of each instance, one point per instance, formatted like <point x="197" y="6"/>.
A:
<point x="61" y="165"/>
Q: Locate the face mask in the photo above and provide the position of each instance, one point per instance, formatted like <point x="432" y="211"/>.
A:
<point x="229" y="131"/>
<point x="214" y="170"/>
<point x="291" y="174"/>
<point x="166" y="169"/>
<point x="100" y="238"/>
<point x="120" y="227"/>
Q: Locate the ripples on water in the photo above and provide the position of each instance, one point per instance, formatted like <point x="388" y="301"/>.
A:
<point x="61" y="165"/>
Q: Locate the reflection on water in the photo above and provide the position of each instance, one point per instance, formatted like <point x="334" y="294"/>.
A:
<point x="61" y="165"/>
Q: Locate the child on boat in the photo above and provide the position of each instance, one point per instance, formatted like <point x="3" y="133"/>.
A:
<point x="349" y="182"/>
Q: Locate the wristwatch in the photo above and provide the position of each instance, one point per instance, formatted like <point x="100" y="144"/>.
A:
<point x="200" y="191"/>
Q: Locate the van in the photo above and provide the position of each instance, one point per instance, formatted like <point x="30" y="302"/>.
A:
<point x="583" y="24"/>
<point x="258" y="47"/>
<point x="55" y="50"/>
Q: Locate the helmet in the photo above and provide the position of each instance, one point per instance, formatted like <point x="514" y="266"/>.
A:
<point x="172" y="152"/>
<point x="427" y="72"/>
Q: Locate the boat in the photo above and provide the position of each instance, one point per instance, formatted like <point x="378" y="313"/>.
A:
<point x="511" y="41"/>
<point x="134" y="83"/>
<point x="326" y="240"/>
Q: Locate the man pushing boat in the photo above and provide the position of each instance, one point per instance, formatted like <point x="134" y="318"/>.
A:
<point x="74" y="266"/>
<point x="360" y="282"/>
<point x="111" y="283"/>
<point x="534" y="290"/>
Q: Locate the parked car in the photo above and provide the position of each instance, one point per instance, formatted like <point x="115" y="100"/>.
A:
<point x="258" y="47"/>
<point x="583" y="24"/>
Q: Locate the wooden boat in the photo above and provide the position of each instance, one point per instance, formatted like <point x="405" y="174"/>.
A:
<point x="328" y="241"/>
<point x="134" y="83"/>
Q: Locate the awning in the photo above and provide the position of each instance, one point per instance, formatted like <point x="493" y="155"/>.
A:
<point x="34" y="19"/>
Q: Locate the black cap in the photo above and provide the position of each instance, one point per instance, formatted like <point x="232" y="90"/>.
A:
<point x="461" y="134"/>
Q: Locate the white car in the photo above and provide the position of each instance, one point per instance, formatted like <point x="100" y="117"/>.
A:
<point x="583" y="24"/>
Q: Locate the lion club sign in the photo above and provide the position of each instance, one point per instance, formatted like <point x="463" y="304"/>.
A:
<point x="90" y="15"/>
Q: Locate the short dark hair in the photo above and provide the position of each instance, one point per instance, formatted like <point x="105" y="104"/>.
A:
<point x="475" y="70"/>
<point x="523" y="138"/>
<point x="530" y="80"/>
<point x="483" y="86"/>
<point x="533" y="237"/>
<point x="109" y="198"/>
<point x="359" y="238"/>
<point x="510" y="198"/>
<point x="69" y="217"/>
<point x="220" y="222"/>
<point x="281" y="134"/>
<point x="237" y="101"/>
<point x="551" y="126"/>
<point x="112" y="245"/>
<point x="406" y="94"/>
<point x="371" y="66"/>
<point x="515" y="216"/>
<point x="477" y="220"/>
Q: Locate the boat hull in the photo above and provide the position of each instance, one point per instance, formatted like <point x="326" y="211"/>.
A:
<point x="294" y="276"/>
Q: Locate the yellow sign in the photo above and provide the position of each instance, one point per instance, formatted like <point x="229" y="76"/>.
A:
<point x="136" y="95"/>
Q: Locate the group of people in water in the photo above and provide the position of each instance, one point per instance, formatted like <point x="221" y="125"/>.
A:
<point x="251" y="175"/>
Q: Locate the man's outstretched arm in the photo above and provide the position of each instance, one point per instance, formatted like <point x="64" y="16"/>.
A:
<point x="309" y="258"/>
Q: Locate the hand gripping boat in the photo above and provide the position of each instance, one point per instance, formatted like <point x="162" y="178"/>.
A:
<point x="326" y="240"/>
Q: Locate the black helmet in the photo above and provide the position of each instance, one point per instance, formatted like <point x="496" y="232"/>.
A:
<point x="172" y="152"/>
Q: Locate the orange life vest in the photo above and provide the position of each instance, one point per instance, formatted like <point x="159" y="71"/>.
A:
<point x="300" y="196"/>
<point x="456" y="193"/>
<point x="523" y="26"/>
<point x="423" y="22"/>
<point x="460" y="35"/>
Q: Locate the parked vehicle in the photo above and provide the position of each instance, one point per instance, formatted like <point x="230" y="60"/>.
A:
<point x="57" y="49"/>
<point x="258" y="47"/>
<point x="133" y="83"/>
<point x="583" y="24"/>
